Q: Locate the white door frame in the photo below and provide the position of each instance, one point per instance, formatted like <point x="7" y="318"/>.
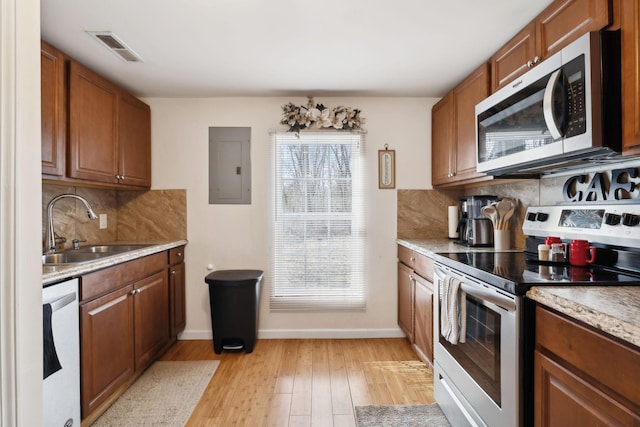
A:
<point x="20" y="215"/>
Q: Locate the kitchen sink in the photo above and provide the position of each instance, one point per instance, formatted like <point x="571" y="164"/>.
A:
<point x="87" y="253"/>
<point x="69" y="258"/>
<point x="107" y="249"/>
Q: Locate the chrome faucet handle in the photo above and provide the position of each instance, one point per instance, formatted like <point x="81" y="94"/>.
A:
<point x="76" y="243"/>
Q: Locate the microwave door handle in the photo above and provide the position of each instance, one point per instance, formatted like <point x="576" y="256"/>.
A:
<point x="547" y="105"/>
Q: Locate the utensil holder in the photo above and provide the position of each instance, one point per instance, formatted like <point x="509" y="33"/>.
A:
<point x="501" y="240"/>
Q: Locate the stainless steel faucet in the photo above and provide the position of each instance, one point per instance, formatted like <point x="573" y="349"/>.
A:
<point x="50" y="234"/>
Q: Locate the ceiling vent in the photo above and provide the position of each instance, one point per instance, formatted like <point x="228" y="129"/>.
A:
<point x="115" y="45"/>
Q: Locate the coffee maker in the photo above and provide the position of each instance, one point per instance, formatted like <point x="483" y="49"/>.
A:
<point x="474" y="228"/>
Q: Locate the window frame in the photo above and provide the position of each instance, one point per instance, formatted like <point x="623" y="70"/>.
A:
<point x="284" y="295"/>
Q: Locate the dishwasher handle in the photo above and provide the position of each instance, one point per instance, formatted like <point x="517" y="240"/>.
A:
<point x="62" y="302"/>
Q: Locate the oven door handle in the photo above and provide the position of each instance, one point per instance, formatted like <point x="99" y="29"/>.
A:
<point x="484" y="294"/>
<point x="479" y="291"/>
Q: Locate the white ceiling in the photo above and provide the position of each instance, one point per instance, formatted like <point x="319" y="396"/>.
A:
<point x="208" y="48"/>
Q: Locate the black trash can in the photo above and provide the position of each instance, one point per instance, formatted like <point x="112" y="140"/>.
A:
<point x="234" y="296"/>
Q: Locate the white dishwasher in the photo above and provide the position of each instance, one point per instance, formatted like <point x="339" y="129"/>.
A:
<point x="61" y="355"/>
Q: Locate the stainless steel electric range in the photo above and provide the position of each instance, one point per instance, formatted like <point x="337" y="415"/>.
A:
<point x="483" y="354"/>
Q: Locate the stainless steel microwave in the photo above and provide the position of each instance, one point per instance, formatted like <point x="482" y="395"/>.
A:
<point x="564" y="112"/>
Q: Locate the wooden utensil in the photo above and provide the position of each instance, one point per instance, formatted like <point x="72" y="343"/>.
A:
<point x="505" y="208"/>
<point x="490" y="212"/>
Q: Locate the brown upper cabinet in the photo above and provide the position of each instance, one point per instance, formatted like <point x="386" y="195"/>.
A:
<point x="630" y="28"/>
<point x="453" y="136"/>
<point x="108" y="138"/>
<point x="54" y="115"/>
<point x="562" y="22"/>
<point x="93" y="149"/>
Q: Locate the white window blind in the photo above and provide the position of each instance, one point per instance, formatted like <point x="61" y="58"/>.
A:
<point x="319" y="231"/>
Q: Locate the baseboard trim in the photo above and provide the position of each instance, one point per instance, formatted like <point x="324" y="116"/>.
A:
<point x="306" y="333"/>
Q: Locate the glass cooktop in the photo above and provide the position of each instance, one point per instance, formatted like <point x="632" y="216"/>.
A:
<point x="514" y="273"/>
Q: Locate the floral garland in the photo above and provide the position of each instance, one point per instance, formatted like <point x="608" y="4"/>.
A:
<point x="318" y="117"/>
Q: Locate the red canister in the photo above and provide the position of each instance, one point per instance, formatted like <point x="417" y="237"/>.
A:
<point x="580" y="253"/>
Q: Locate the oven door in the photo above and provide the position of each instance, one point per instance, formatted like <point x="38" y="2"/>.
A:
<point x="477" y="380"/>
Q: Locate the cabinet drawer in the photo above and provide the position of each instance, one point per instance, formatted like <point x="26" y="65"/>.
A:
<point x="421" y="264"/>
<point x="609" y="362"/>
<point x="103" y="281"/>
<point x="176" y="255"/>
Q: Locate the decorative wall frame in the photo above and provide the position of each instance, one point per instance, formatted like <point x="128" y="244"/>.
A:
<point x="386" y="168"/>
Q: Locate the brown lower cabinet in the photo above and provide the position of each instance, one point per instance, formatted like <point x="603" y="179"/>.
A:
<point x="125" y="321"/>
<point x="423" y="321"/>
<point x="107" y="360"/>
<point x="583" y="377"/>
<point x="151" y="318"/>
<point x="178" y="312"/>
<point x="415" y="300"/>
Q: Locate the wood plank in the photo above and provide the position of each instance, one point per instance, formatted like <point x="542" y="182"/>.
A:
<point x="301" y="398"/>
<point x="340" y="394"/>
<point x="321" y="409"/>
<point x="279" y="410"/>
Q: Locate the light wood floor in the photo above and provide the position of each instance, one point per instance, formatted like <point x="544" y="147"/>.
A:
<point x="306" y="382"/>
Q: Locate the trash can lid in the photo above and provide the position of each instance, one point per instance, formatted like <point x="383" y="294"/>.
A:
<point x="234" y="276"/>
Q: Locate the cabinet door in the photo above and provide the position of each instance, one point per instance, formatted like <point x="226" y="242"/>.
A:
<point x="178" y="314"/>
<point x="106" y="347"/>
<point x="564" y="399"/>
<point x="442" y="140"/>
<point x="151" y="320"/>
<point x="513" y="59"/>
<point x="562" y="22"/>
<point x="630" y="11"/>
<point x="93" y="151"/>
<point x="467" y="94"/>
<point x="405" y="299"/>
<point x="53" y="103"/>
<point x="134" y="141"/>
<point x="566" y="20"/>
<point x="423" y="321"/>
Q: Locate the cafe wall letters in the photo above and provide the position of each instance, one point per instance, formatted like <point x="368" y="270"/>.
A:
<point x="619" y="185"/>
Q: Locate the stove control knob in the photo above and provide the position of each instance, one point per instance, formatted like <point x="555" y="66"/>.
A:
<point x="531" y="216"/>
<point x="630" y="220"/>
<point x="612" y="219"/>
<point x="542" y="217"/>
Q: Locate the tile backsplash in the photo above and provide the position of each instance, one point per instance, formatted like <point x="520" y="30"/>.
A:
<point x="423" y="213"/>
<point x="132" y="216"/>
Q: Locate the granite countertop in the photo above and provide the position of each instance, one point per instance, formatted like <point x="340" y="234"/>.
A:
<point x="52" y="274"/>
<point x="428" y="247"/>
<point x="611" y="309"/>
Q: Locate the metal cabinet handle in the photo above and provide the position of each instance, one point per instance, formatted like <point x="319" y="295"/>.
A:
<point x="135" y="291"/>
<point x="173" y="272"/>
<point x="536" y="60"/>
<point x="180" y="254"/>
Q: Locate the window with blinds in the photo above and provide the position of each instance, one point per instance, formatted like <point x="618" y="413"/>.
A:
<point x="319" y="234"/>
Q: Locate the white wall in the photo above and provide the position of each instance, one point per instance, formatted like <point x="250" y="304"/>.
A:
<point x="238" y="236"/>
